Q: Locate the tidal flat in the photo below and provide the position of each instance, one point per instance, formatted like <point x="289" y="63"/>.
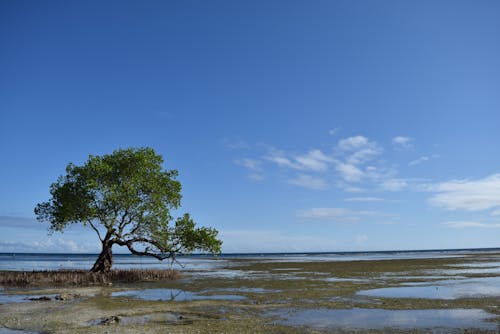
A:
<point x="421" y="294"/>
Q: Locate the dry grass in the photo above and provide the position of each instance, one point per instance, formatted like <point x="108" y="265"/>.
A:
<point x="83" y="277"/>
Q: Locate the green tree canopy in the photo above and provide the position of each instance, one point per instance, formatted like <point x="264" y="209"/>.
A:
<point x="126" y="198"/>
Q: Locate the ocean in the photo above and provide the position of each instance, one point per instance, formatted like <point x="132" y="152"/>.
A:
<point x="203" y="262"/>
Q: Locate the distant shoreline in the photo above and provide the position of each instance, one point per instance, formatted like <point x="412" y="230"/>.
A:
<point x="247" y="254"/>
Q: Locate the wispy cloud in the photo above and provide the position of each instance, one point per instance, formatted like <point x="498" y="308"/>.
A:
<point x="364" y="199"/>
<point x="314" y="160"/>
<point x="340" y="215"/>
<point x="21" y="222"/>
<point x="252" y="164"/>
<point x="49" y="245"/>
<point x="422" y="160"/>
<point x="356" y="161"/>
<point x="467" y="224"/>
<point x="352" y="161"/>
<point x="308" y="181"/>
<point x="349" y="172"/>
<point x="469" y="195"/>
<point x="418" y="161"/>
<point x="358" y="149"/>
<point x="335" y="214"/>
<point x="393" y="184"/>
<point x="402" y="142"/>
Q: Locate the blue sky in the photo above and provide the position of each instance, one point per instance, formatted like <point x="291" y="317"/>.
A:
<point x="295" y="125"/>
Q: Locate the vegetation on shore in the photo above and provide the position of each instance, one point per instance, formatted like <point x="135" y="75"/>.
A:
<point x="79" y="278"/>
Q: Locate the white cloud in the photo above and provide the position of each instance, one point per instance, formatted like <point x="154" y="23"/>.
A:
<point x="254" y="166"/>
<point x="314" y="160"/>
<point x="353" y="143"/>
<point x="482" y="194"/>
<point x="364" y="199"/>
<point x="349" y="173"/>
<point x="466" y="224"/>
<point x="418" y="161"/>
<point x="49" y="245"/>
<point x="352" y="153"/>
<point x="353" y="160"/>
<point x="350" y="189"/>
<point x="358" y="149"/>
<point x="393" y="184"/>
<point x="422" y="159"/>
<point x="251" y="164"/>
<point x="341" y="215"/>
<point x="337" y="214"/>
<point x="21" y="222"/>
<point x="307" y="181"/>
<point x="402" y="142"/>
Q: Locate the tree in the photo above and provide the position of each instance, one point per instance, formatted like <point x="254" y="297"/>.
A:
<point x="127" y="199"/>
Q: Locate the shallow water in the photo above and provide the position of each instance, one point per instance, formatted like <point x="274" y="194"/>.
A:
<point x="447" y="289"/>
<point x="172" y="295"/>
<point x="478" y="265"/>
<point x="245" y="289"/>
<point x="28" y="262"/>
<point x="6" y="298"/>
<point x="468" y="271"/>
<point x="14" y="331"/>
<point x="378" y="318"/>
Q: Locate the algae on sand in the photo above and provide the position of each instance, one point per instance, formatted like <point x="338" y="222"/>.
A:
<point x="266" y="287"/>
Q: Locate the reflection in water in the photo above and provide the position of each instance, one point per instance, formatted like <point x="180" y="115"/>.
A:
<point x="378" y="318"/>
<point x="447" y="289"/>
<point x="6" y="298"/>
<point x="172" y="295"/>
<point x="14" y="331"/>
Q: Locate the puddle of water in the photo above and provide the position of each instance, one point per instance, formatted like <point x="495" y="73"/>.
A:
<point x="227" y="273"/>
<point x="286" y="269"/>
<point x="339" y="279"/>
<point x="172" y="295"/>
<point x="14" y="298"/>
<point x="448" y="289"/>
<point x="378" y="318"/>
<point x="244" y="289"/>
<point x="15" y="331"/>
<point x="144" y="319"/>
<point x="463" y="271"/>
<point x="478" y="265"/>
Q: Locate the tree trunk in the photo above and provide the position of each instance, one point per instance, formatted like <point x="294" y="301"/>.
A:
<point x="105" y="259"/>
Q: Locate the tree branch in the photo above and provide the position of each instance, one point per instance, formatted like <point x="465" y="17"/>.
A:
<point x="95" y="229"/>
<point x="161" y="255"/>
